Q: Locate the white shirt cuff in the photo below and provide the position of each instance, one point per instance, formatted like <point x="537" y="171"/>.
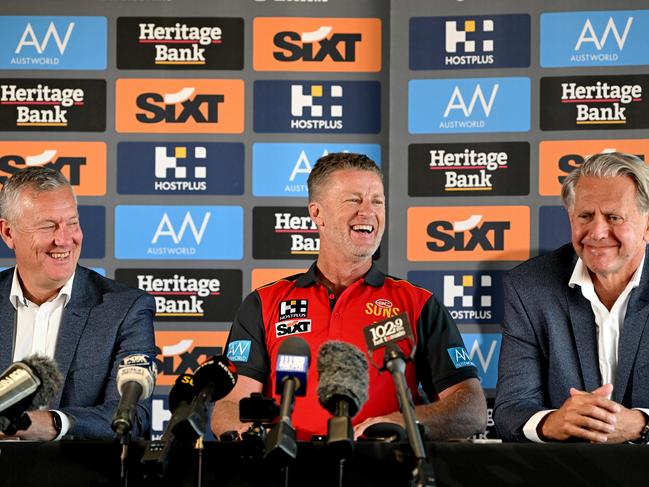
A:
<point x="529" y="429"/>
<point x="65" y="424"/>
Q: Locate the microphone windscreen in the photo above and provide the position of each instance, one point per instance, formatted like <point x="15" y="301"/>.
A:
<point x="139" y="368"/>
<point x="342" y="370"/>
<point x="182" y="391"/>
<point x="51" y="379"/>
<point x="295" y="346"/>
<point x="219" y="371"/>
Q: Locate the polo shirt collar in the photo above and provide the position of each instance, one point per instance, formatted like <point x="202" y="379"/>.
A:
<point x="374" y="276"/>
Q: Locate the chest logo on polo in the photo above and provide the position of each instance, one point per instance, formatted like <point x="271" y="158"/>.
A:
<point x="295" y="308"/>
<point x="292" y="327"/>
<point x="381" y="308"/>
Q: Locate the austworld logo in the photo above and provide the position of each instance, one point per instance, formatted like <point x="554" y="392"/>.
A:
<point x="180" y="168"/>
<point x="469" y="105"/>
<point x="598" y="38"/>
<point x="484" y="351"/>
<point x="53" y="42"/>
<point x="180" y="43"/>
<point x="470" y="42"/>
<point x="53" y="105"/>
<point x="282" y="169"/>
<point x="188" y="294"/>
<point x="317" y="107"/>
<point x="480" y="169"/>
<point x="594" y="102"/>
<point x="283" y="233"/>
<point x="177" y="232"/>
<point x="469" y="296"/>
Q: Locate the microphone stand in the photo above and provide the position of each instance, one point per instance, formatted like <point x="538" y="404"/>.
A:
<point x="395" y="363"/>
<point x="123" y="471"/>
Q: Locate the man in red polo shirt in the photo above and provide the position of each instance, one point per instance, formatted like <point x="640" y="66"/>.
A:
<point x="341" y="294"/>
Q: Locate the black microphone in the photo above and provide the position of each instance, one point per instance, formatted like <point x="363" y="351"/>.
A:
<point x="25" y="386"/>
<point x="290" y="381"/>
<point x="213" y="380"/>
<point x="135" y="382"/>
<point x="180" y="399"/>
<point x="342" y="390"/>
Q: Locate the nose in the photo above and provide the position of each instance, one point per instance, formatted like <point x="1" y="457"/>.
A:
<point x="365" y="208"/>
<point x="598" y="228"/>
<point x="62" y="235"/>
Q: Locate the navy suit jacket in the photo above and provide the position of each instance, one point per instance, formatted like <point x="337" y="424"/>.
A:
<point x="103" y="322"/>
<point x="549" y="343"/>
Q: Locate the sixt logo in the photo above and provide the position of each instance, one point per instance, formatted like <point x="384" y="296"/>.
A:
<point x="316" y="44"/>
<point x="292" y="327"/>
<point x="456" y="40"/>
<point x="179" y="107"/>
<point x="490" y="235"/>
<point x="182" y="352"/>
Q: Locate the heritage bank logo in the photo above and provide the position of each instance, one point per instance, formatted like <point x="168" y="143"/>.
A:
<point x="82" y="163"/>
<point x="317" y="106"/>
<point x="481" y="169"/>
<point x="494" y="41"/>
<point x="282" y="169"/>
<point x="179" y="43"/>
<point x="51" y="42"/>
<point x="283" y="233"/>
<point x="606" y="38"/>
<point x="177" y="168"/>
<point x="181" y="352"/>
<point x="179" y="232"/>
<point x="53" y="104"/>
<point x="316" y="44"/>
<point x="594" y="102"/>
<point x="469" y="296"/>
<point x="468" y="233"/>
<point x="468" y="105"/>
<point x="179" y="105"/>
<point x="188" y="294"/>
<point x="558" y="158"/>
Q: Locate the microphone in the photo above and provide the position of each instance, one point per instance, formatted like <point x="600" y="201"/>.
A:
<point x="342" y="390"/>
<point x="213" y="380"/>
<point x="25" y="386"/>
<point x="290" y="381"/>
<point x="180" y="399"/>
<point x="135" y="382"/>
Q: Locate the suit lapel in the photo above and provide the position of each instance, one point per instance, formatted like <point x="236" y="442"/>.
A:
<point x="7" y="320"/>
<point x="75" y="317"/>
<point x="583" y="328"/>
<point x="635" y="321"/>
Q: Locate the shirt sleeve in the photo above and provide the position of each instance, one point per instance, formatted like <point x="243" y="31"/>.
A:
<point x="441" y="359"/>
<point x="247" y="341"/>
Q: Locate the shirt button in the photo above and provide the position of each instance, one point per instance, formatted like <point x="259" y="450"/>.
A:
<point x="331" y="296"/>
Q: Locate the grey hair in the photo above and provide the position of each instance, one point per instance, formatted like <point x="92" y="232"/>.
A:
<point x="337" y="161"/>
<point x="610" y="165"/>
<point x="36" y="178"/>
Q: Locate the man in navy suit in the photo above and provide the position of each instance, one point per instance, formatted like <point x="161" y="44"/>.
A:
<point x="51" y="306"/>
<point x="574" y="363"/>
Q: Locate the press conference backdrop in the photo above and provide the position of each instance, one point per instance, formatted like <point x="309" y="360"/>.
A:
<point x="188" y="129"/>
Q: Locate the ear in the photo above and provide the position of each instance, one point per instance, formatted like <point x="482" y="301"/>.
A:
<point x="646" y="228"/>
<point x="6" y="233"/>
<point x="315" y="213"/>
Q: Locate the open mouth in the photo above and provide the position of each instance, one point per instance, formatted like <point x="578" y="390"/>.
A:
<point x="59" y="255"/>
<point x="368" y="229"/>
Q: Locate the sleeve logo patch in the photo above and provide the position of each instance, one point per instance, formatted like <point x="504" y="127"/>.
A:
<point x="239" y="350"/>
<point x="460" y="357"/>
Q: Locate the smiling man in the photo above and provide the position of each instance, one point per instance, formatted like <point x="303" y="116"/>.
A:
<point x="574" y="360"/>
<point x="51" y="306"/>
<point x="334" y="300"/>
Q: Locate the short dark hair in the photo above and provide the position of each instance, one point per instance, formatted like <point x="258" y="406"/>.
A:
<point x="37" y="178"/>
<point x="610" y="165"/>
<point x="337" y="161"/>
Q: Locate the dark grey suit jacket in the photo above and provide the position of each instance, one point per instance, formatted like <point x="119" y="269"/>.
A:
<point x="549" y="343"/>
<point x="103" y="322"/>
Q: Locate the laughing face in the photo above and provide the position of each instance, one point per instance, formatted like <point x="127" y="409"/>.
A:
<point x="46" y="237"/>
<point x="609" y="232"/>
<point x="350" y="213"/>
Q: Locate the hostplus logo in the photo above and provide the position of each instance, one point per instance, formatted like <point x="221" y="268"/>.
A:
<point x="310" y="107"/>
<point x="170" y="167"/>
<point x="459" y="40"/>
<point x="296" y="226"/>
<point x="472" y="294"/>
